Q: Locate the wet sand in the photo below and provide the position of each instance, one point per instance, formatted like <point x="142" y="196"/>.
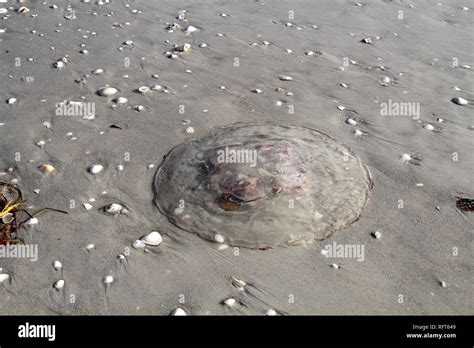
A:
<point x="425" y="51"/>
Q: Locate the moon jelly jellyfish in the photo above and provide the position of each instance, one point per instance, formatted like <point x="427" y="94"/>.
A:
<point x="262" y="185"/>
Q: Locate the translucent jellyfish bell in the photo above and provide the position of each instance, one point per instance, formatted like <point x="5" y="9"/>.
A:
<point x="260" y="186"/>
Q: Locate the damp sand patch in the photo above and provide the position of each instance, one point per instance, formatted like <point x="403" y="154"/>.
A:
<point x="262" y="185"/>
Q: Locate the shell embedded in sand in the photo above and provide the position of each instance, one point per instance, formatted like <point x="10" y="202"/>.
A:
<point x="271" y="312"/>
<point x="178" y="312"/>
<point x="115" y="208"/>
<point x="96" y="169"/>
<point x="59" y="284"/>
<point x="191" y="29"/>
<point x="121" y="100"/>
<point x="459" y="101"/>
<point x="351" y="121"/>
<point x="107" y="91"/>
<point x="230" y="302"/>
<point x="259" y="186"/>
<point x="57" y="265"/>
<point x="108" y="279"/>
<point x="4" y="277"/>
<point x="11" y="101"/>
<point x="377" y="235"/>
<point x="153" y="238"/>
<point x="143" y="89"/>
<point x="98" y="71"/>
<point x="46" y="168"/>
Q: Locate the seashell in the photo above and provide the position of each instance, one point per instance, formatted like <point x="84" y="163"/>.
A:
<point x="121" y="100"/>
<point x="138" y="244"/>
<point x="366" y="40"/>
<point x="120" y="167"/>
<point x="57" y="265"/>
<point x="459" y="101"/>
<point x="41" y="143"/>
<point x="3" y="10"/>
<point x="173" y="27"/>
<point x="32" y="221"/>
<point x="157" y="87"/>
<point x="143" y="89"/>
<point x="98" y="71"/>
<point x="222" y="247"/>
<point x="59" y="284"/>
<point x="285" y="78"/>
<point x="84" y="51"/>
<point x="442" y="284"/>
<point x="87" y="206"/>
<point x="153" y="238"/>
<point x="90" y="246"/>
<point x="96" y="169"/>
<point x="58" y="65"/>
<point x="340" y="107"/>
<point x="171" y="55"/>
<point x="405" y="157"/>
<point x="377" y="235"/>
<point x="223" y="15"/>
<point x="386" y="80"/>
<point x="114" y="208"/>
<point x="288" y="24"/>
<point x="128" y="43"/>
<point x="46" y="168"/>
<point x="23" y="9"/>
<point x="203" y="45"/>
<point x="3" y="277"/>
<point x="428" y="127"/>
<point x="336" y="266"/>
<point x="257" y="90"/>
<point x="239" y="284"/>
<point x="219" y="238"/>
<point x="11" y="101"/>
<point x="190" y="130"/>
<point x="271" y="312"/>
<point x="351" y="121"/>
<point x="190" y="29"/>
<point x="185" y="48"/>
<point x="178" y="312"/>
<point x="108" y="279"/>
<point x="343" y="85"/>
<point x="230" y="302"/>
<point x="121" y="257"/>
<point x="358" y="132"/>
<point x="107" y="91"/>
<point x="266" y="43"/>
<point x="7" y="218"/>
<point x="138" y="107"/>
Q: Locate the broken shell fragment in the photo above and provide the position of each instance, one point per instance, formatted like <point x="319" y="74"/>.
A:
<point x="428" y="127"/>
<point x="285" y="78"/>
<point x="143" y="89"/>
<point x="96" y="169"/>
<point x="153" y="238"/>
<point x="178" y="312"/>
<point x="138" y="244"/>
<point x="121" y="100"/>
<point x="377" y="235"/>
<point x="239" y="284"/>
<point x="108" y="279"/>
<point x="11" y="101"/>
<point x="57" y="265"/>
<point x="230" y="302"/>
<point x="459" y="101"/>
<point x="3" y="277"/>
<point x="271" y="312"/>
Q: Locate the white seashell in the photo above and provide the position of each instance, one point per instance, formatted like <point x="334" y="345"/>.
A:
<point x="121" y="257"/>
<point x="257" y="90"/>
<point x="32" y="221"/>
<point x="278" y="103"/>
<point x="377" y="235"/>
<point x="171" y="55"/>
<point x="96" y="169"/>
<point x="128" y="43"/>
<point x="41" y="143"/>
<point x="98" y="71"/>
<point x="59" y="284"/>
<point x="336" y="266"/>
<point x="285" y="78"/>
<point x="289" y="51"/>
<point x="90" y="246"/>
<point x="466" y="66"/>
<point x="366" y="40"/>
<point x="428" y="127"/>
<point x="442" y="284"/>
<point x="108" y="279"/>
<point x="309" y="53"/>
<point x="11" y="101"/>
<point x="239" y="284"/>
<point x="386" y="79"/>
<point x="114" y="208"/>
<point x="153" y="238"/>
<point x="190" y="130"/>
<point x="143" y="89"/>
<point x="203" y="45"/>
<point x="178" y="312"/>
<point x="157" y="87"/>
<point x="3" y="10"/>
<point x="340" y="107"/>
<point x="191" y="29"/>
<point x="288" y="24"/>
<point x="405" y="157"/>
<point x="46" y="168"/>
<point x="230" y="302"/>
<point x="57" y="265"/>
<point x="440" y="120"/>
<point x="343" y="85"/>
<point x="271" y="312"/>
<point x="223" y="15"/>
<point x="351" y="121"/>
<point x="120" y="167"/>
<point x="459" y="101"/>
<point x="121" y="100"/>
<point x="138" y="244"/>
<point x="36" y="191"/>
<point x="139" y="107"/>
<point x="358" y="132"/>
<point x="84" y="51"/>
<point x="87" y="206"/>
<point x="3" y="277"/>
<point x="219" y="238"/>
<point x="222" y="247"/>
<point x="420" y="184"/>
<point x="107" y="91"/>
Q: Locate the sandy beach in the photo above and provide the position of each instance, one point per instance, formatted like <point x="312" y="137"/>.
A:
<point x="101" y="93"/>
